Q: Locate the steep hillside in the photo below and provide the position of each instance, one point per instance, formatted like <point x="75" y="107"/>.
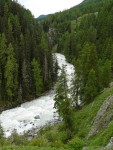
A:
<point x="84" y="119"/>
<point x="84" y="34"/>
<point x="55" y="137"/>
<point x="26" y="69"/>
<point x="85" y="37"/>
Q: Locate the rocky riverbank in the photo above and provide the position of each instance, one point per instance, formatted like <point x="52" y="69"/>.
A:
<point x="5" y="108"/>
<point x="34" y="131"/>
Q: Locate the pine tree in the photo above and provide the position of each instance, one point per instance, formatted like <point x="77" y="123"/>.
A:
<point x="3" y="49"/>
<point x="3" y="57"/>
<point x="26" y="79"/>
<point x="87" y="61"/>
<point x="11" y="73"/>
<point x="37" y="77"/>
<point x="75" y="90"/>
<point x="61" y="92"/>
<point x="9" y="31"/>
<point x="44" y="49"/>
<point x="63" y="103"/>
<point x="99" y="75"/>
<point x="55" y="69"/>
<point x="91" y="89"/>
<point x="107" y="73"/>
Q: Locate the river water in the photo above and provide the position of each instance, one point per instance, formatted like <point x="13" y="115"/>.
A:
<point x="36" y="113"/>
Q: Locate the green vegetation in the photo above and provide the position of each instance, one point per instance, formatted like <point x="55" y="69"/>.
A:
<point x="56" y="137"/>
<point x="37" y="77"/>
<point x="85" y="38"/>
<point x="23" y="46"/>
<point x="29" y="148"/>
<point x="84" y="34"/>
<point x="63" y="103"/>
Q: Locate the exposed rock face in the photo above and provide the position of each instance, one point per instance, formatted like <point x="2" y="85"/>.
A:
<point x="103" y="117"/>
<point x="110" y="145"/>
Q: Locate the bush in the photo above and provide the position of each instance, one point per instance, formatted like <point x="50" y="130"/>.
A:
<point x="18" y="139"/>
<point x="57" y="144"/>
<point x="40" y="142"/>
<point x="63" y="136"/>
<point x="76" y="144"/>
<point x="51" y="136"/>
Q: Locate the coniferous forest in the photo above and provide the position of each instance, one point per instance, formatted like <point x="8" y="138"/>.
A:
<point x="25" y="55"/>
<point x="84" y="35"/>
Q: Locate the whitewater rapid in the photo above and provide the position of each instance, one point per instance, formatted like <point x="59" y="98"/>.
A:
<point x="37" y="113"/>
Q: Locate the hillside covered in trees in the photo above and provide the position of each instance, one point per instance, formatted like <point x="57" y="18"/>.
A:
<point x="84" y="34"/>
<point x="25" y="55"/>
<point x="85" y="37"/>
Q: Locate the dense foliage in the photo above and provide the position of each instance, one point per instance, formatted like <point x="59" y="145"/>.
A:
<point x="84" y="34"/>
<point x="85" y="37"/>
<point x="25" y="55"/>
<point x="63" y="103"/>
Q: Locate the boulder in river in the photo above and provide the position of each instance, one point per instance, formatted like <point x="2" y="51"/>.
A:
<point x="37" y="117"/>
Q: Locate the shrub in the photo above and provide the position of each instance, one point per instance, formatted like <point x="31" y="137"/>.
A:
<point x="40" y="142"/>
<point x="76" y="144"/>
<point x="51" y="136"/>
<point x="18" y="139"/>
<point x="63" y="136"/>
<point x="57" y="144"/>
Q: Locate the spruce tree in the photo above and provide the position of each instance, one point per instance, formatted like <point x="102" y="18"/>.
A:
<point x="63" y="103"/>
<point x="75" y="90"/>
<point x="37" y="77"/>
<point x="11" y="73"/>
<point x="107" y="73"/>
<point x="91" y="89"/>
<point x="3" y="57"/>
<point x="61" y="92"/>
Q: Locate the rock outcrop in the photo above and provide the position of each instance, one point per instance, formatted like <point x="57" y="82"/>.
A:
<point x="103" y="117"/>
<point x="110" y="145"/>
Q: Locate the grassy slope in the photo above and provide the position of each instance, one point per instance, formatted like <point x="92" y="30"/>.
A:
<point x="85" y="117"/>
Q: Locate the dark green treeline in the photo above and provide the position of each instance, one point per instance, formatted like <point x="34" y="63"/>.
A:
<point x="25" y="55"/>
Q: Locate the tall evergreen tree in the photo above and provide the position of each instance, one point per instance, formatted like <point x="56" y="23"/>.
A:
<point x="3" y="57"/>
<point x="3" y="50"/>
<point x="91" y="89"/>
<point x="11" y="73"/>
<point x="63" y="103"/>
<point x="26" y="79"/>
<point x="37" y="77"/>
<point x="106" y="77"/>
<point x="75" y="90"/>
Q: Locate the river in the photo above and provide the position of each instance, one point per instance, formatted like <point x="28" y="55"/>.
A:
<point x="36" y="113"/>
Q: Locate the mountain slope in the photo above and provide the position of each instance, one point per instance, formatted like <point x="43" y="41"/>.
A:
<point x="85" y="35"/>
<point x="42" y="17"/>
<point x="25" y="56"/>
